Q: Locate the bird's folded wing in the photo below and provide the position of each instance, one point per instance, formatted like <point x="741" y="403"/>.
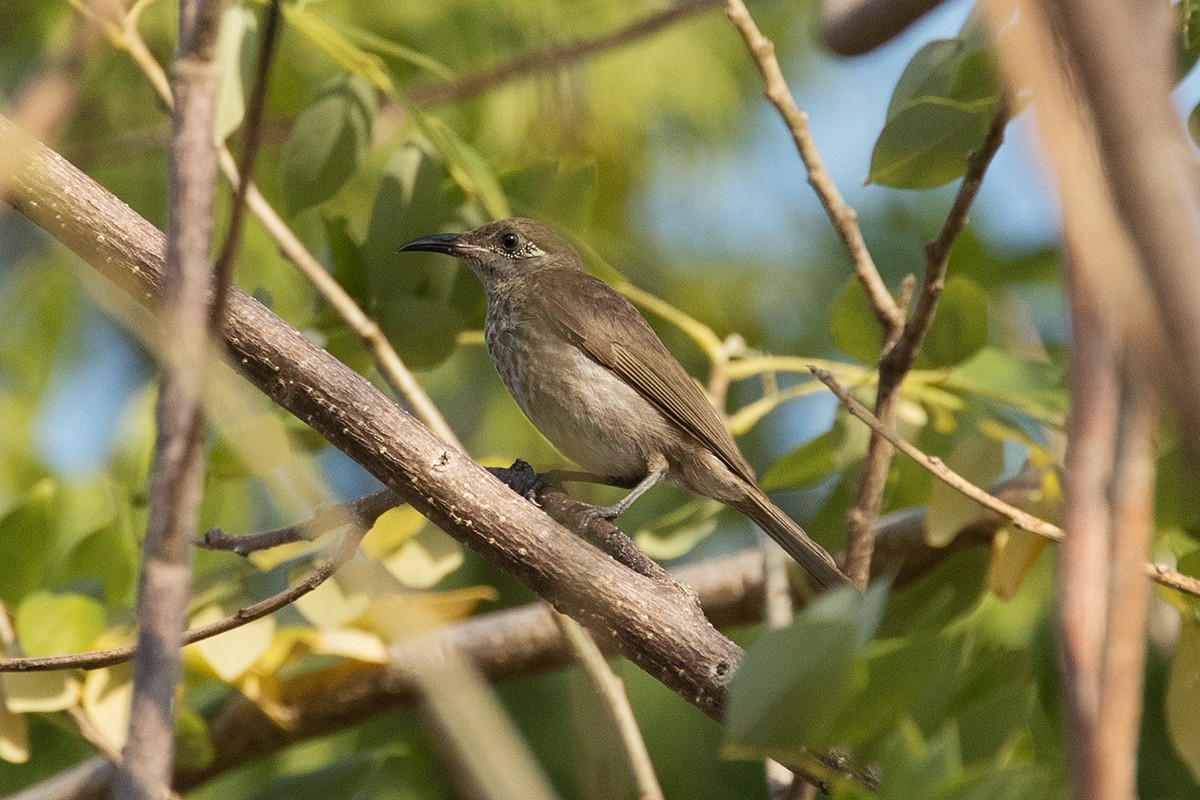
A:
<point x="610" y="330"/>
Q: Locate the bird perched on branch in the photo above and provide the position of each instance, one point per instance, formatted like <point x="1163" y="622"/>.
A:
<point x="595" y="379"/>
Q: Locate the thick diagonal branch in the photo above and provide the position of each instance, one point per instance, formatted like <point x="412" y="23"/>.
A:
<point x="651" y="623"/>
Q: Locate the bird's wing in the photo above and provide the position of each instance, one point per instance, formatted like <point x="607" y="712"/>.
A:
<point x="610" y="330"/>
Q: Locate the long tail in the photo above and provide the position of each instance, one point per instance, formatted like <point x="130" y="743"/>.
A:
<point x="815" y="559"/>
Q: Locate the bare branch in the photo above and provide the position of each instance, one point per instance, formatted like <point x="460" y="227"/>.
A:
<point x="900" y="352"/>
<point x="166" y="578"/>
<point x="675" y="643"/>
<point x="611" y="690"/>
<point x="900" y="341"/>
<point x="97" y="659"/>
<point x="554" y="57"/>
<point x="1022" y="519"/>
<point x="391" y="366"/>
<point x="223" y="270"/>
<point x="505" y="645"/>
<point x="1124" y="61"/>
<point x="844" y="218"/>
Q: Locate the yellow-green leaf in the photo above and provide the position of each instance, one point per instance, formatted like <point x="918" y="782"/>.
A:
<point x="26" y="692"/>
<point x="425" y="558"/>
<point x="233" y="652"/>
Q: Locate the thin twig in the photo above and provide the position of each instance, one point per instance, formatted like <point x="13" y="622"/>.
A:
<point x="175" y="482"/>
<point x="554" y="57"/>
<point x="611" y="690"/>
<point x="96" y="659"/>
<point x="1162" y="575"/>
<point x="937" y="252"/>
<point x="843" y="217"/>
<point x="506" y="645"/>
<point x="391" y="366"/>
<point x="223" y="269"/>
<point x="360" y="512"/>
<point x="900" y="350"/>
<point x="777" y="613"/>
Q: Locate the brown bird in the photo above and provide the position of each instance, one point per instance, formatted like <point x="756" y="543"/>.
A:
<point x="595" y="379"/>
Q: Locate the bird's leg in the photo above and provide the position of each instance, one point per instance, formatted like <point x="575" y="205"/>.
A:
<point x="657" y="470"/>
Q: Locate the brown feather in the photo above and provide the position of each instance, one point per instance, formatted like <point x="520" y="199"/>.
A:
<point x="631" y="349"/>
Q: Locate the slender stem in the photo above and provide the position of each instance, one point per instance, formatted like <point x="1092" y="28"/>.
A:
<point x="1162" y="575"/>
<point x="843" y="217"/>
<point x="900" y="350"/>
<point x="554" y="57"/>
<point x="223" y="269"/>
<point x="97" y="659"/>
<point x="391" y="366"/>
<point x="611" y="690"/>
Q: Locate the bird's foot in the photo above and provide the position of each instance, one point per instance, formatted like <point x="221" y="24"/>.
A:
<point x="592" y="513"/>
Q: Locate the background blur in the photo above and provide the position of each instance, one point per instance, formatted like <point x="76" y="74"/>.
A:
<point x="660" y="156"/>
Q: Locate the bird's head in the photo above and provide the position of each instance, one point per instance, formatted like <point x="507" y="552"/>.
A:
<point x="503" y="251"/>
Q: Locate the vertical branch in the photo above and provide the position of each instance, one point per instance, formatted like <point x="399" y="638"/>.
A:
<point x="901" y="340"/>
<point x="1116" y="343"/>
<point x="900" y="352"/>
<point x="1084" y="562"/>
<point x="611" y="690"/>
<point x="223" y="269"/>
<point x="843" y="217"/>
<point x="391" y="367"/>
<point x="1129" y="540"/>
<point x="176" y="479"/>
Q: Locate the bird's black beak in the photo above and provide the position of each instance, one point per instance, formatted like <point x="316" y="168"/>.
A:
<point x="446" y="243"/>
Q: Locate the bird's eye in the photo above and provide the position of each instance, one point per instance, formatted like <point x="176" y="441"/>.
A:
<point x="509" y="241"/>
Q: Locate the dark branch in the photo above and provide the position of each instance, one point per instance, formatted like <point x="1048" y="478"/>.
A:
<point x="554" y="57"/>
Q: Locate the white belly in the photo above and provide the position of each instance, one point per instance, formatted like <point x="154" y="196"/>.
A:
<point x="564" y="393"/>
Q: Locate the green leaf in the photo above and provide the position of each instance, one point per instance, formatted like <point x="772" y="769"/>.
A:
<point x="560" y="192"/>
<point x="410" y="202"/>
<point x="327" y="143"/>
<point x="927" y="142"/>
<point x="855" y="329"/>
<point x="412" y="295"/>
<point x="902" y="677"/>
<point x="980" y="460"/>
<point x="1183" y="696"/>
<point x="194" y="749"/>
<point x="679" y="530"/>
<point x="57" y="624"/>
<point x="387" y="47"/>
<point x="231" y="104"/>
<point x="423" y="331"/>
<point x="914" y="768"/>
<point x="974" y="78"/>
<point x="253" y="445"/>
<point x="929" y="73"/>
<point x="27" y="542"/>
<point x="1035" y="387"/>
<point x="365" y="66"/>
<point x="791" y="689"/>
<point x="845" y="443"/>
<point x="110" y="554"/>
<point x="467" y="167"/>
<point x="1193" y="124"/>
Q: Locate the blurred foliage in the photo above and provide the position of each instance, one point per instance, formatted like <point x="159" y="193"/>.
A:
<point x="947" y="685"/>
